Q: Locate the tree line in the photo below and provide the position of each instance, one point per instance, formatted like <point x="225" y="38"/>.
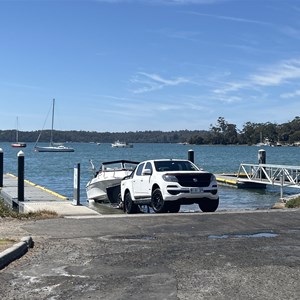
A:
<point x="221" y="133"/>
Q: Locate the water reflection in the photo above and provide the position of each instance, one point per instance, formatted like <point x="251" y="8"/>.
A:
<point x="246" y="235"/>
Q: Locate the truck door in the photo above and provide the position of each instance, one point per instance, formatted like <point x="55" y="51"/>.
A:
<point x="142" y="187"/>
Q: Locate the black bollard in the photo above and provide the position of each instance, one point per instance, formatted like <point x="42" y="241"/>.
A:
<point x="191" y="155"/>
<point x="1" y="167"/>
<point x="21" y="160"/>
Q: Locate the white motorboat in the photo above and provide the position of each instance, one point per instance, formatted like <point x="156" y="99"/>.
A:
<point x="105" y="185"/>
<point x="118" y="144"/>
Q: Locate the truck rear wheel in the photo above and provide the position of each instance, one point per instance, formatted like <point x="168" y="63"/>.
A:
<point x="129" y="206"/>
<point x="157" y="202"/>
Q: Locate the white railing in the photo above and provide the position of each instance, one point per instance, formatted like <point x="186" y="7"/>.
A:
<point x="279" y="175"/>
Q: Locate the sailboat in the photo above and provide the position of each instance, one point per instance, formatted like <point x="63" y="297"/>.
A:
<point x="18" y="144"/>
<point x="52" y="146"/>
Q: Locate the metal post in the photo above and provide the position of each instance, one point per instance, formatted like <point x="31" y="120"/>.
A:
<point x="76" y="191"/>
<point x="1" y="167"/>
<point x="262" y="156"/>
<point x="262" y="160"/>
<point x="21" y="175"/>
<point x="281" y="186"/>
<point x="191" y="155"/>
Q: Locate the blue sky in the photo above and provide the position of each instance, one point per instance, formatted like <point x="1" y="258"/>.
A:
<point x="131" y="65"/>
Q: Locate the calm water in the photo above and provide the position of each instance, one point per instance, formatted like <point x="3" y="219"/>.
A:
<point x="55" y="170"/>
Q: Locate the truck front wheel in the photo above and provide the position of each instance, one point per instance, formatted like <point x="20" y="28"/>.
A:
<point x="173" y="206"/>
<point x="208" y="205"/>
<point x="157" y="202"/>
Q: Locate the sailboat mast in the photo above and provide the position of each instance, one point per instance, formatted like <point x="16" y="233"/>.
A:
<point x="52" y="124"/>
<point x="17" y="130"/>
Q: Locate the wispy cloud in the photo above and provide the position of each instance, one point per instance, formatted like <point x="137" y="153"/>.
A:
<point x="291" y="32"/>
<point x="180" y="34"/>
<point x="166" y="2"/>
<point x="21" y="85"/>
<point x="282" y="73"/>
<point x="151" y="82"/>
<point x="230" y="87"/>
<point x="290" y="95"/>
<point x="228" y="18"/>
<point x="277" y="74"/>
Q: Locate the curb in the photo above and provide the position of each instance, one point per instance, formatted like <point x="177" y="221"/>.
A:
<point x="15" y="252"/>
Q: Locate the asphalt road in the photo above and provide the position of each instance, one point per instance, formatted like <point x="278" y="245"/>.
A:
<point x="248" y="255"/>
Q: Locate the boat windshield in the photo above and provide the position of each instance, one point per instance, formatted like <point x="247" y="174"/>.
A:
<point x="177" y="165"/>
<point x="119" y="166"/>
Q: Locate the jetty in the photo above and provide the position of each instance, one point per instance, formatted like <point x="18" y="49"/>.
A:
<point x="238" y="181"/>
<point x="261" y="175"/>
<point x="37" y="198"/>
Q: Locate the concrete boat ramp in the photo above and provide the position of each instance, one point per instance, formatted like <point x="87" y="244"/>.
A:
<point x="38" y="198"/>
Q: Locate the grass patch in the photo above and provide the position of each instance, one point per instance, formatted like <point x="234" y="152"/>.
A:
<point x="7" y="212"/>
<point x="6" y="241"/>
<point x="5" y="244"/>
<point x="293" y="203"/>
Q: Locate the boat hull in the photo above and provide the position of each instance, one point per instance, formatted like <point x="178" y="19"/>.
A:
<point x="96" y="189"/>
<point x="18" y="145"/>
<point x="53" y="149"/>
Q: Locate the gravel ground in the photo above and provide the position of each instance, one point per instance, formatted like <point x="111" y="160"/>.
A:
<point x="172" y="256"/>
<point x="11" y="230"/>
<point x="12" y="226"/>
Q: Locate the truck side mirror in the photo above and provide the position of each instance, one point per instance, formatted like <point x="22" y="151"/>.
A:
<point x="147" y="172"/>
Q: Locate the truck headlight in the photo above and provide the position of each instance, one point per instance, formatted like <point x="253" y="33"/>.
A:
<point x="213" y="179"/>
<point x="169" y="178"/>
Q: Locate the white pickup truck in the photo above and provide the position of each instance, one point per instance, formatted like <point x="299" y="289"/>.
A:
<point x="165" y="184"/>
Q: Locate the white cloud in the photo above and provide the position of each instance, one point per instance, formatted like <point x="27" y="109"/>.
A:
<point x="290" y="95"/>
<point x="291" y="32"/>
<point x="174" y="2"/>
<point x="20" y="85"/>
<point x="230" y="87"/>
<point x="152" y="82"/>
<point x="282" y="73"/>
<point x="180" y="34"/>
<point x="228" y="18"/>
<point x="277" y="74"/>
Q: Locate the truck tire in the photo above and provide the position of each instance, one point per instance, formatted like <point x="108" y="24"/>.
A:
<point x="157" y="202"/>
<point x="208" y="205"/>
<point x="173" y="206"/>
<point x="129" y="206"/>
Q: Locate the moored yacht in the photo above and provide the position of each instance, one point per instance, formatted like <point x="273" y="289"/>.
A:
<point x="118" y="144"/>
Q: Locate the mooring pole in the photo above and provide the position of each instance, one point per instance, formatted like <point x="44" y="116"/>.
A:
<point x="21" y="160"/>
<point x="191" y="155"/>
<point x="1" y="167"/>
<point x="281" y="186"/>
<point x="262" y="156"/>
<point x="262" y="161"/>
<point x="76" y="191"/>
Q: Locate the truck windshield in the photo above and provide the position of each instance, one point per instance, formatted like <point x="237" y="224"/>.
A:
<point x="177" y="165"/>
